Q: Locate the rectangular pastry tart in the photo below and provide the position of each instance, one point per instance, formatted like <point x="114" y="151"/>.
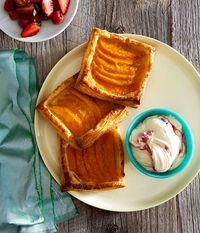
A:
<point x="115" y="68"/>
<point x="98" y="167"/>
<point x="78" y="118"/>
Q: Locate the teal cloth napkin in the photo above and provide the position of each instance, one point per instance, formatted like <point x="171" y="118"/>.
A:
<point x="30" y="199"/>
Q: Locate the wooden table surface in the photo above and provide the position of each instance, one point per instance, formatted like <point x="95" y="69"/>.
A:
<point x="175" y="22"/>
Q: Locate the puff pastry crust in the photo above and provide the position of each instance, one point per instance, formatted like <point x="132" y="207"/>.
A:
<point x="99" y="167"/>
<point x="115" y="68"/>
<point x="78" y="118"/>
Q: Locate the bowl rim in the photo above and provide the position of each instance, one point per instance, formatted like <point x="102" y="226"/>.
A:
<point x="46" y="38"/>
<point x="188" y="136"/>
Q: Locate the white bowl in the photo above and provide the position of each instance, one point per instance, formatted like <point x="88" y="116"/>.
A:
<point x="48" y="29"/>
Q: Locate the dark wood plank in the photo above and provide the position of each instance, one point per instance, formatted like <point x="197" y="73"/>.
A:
<point x="186" y="29"/>
<point x="185" y="39"/>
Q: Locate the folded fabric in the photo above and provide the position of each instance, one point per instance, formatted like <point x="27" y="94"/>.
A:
<point x="30" y="199"/>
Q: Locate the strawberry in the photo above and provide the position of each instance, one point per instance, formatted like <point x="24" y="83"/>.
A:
<point x="31" y="29"/>
<point x="23" y="22"/>
<point x="22" y="2"/>
<point x="44" y="16"/>
<point x="28" y="9"/>
<point x="47" y="7"/>
<point x="25" y="16"/>
<point x="57" y="17"/>
<point x="64" y="5"/>
<point x="13" y="15"/>
<point x="9" y="5"/>
<point x="56" y="6"/>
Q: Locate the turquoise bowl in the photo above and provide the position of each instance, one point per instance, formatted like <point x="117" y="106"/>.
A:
<point x="188" y="136"/>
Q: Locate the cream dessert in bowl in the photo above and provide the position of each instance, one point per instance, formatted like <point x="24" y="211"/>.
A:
<point x="159" y="143"/>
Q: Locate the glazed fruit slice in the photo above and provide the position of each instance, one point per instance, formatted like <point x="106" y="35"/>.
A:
<point x="82" y="107"/>
<point x="109" y="68"/>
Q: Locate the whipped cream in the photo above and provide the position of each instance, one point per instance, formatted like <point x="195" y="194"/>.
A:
<point x="158" y="143"/>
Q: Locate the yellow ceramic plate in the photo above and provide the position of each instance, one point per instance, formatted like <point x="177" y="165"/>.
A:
<point x="173" y="84"/>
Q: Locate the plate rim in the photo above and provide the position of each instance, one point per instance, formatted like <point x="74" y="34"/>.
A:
<point x="173" y="193"/>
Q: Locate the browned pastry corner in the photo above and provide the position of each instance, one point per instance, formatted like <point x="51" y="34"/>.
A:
<point x="115" y="68"/>
<point x="99" y="167"/>
<point x="78" y="118"/>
